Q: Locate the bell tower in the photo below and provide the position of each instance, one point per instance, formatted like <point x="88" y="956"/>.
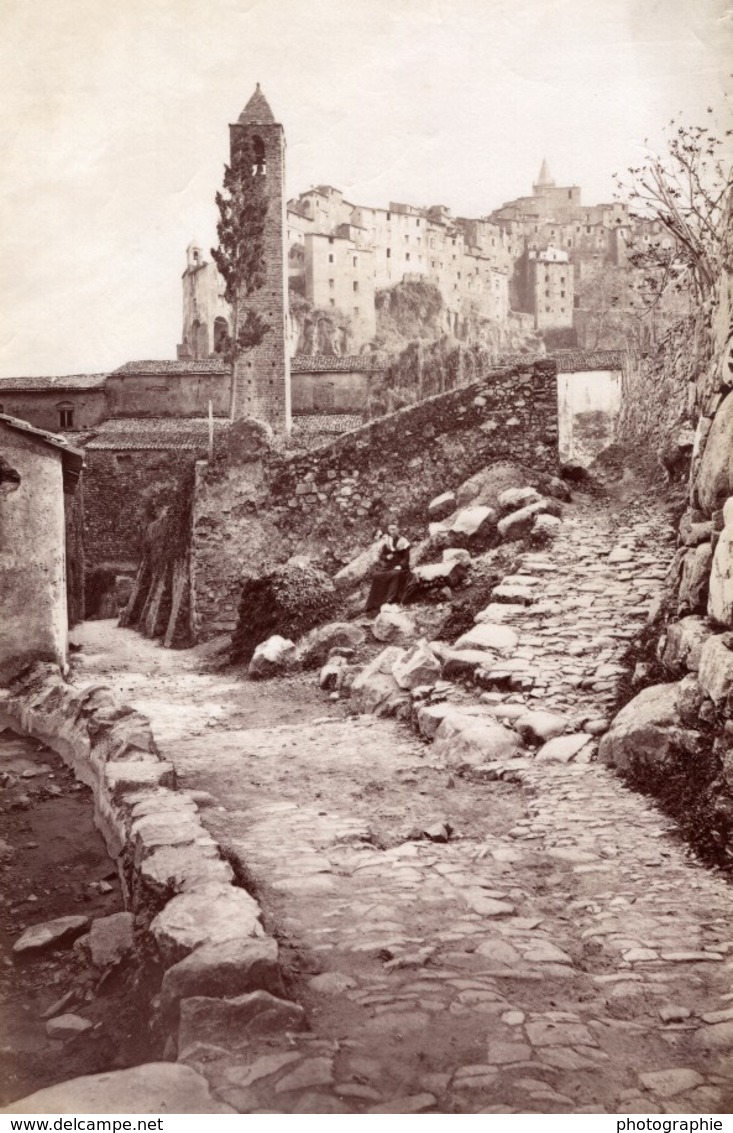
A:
<point x="261" y="377"/>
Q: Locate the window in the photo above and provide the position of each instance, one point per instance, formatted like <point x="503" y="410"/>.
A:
<point x="259" y="165"/>
<point x="356" y="312"/>
<point x="547" y="293"/>
<point x="389" y="216"/>
<point x="389" y="253"/>
<point x="354" y="261"/>
<point x="356" y="285"/>
<point x="417" y="222"/>
<point x="562" y="294"/>
<point x="562" y="279"/>
<point x="332" y="302"/>
<point x="331" y="285"/>
<point x="407" y="239"/>
<point x="66" y="417"/>
<point x="407" y="255"/>
<point x="330" y="257"/>
<point x="330" y="239"/>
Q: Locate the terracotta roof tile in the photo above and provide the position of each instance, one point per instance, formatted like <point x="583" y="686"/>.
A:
<point x="170" y="433"/>
<point x="333" y="363"/>
<point x="150" y="367"/>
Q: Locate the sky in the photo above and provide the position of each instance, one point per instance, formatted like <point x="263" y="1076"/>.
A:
<point x="115" y="115"/>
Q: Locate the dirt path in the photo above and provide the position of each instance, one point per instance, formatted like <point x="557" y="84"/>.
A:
<point x="561" y="953"/>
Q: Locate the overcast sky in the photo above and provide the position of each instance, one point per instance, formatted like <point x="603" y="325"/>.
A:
<point x="115" y="115"/>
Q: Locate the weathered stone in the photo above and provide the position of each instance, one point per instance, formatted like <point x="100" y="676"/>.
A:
<point x="181" y="868"/>
<point x="715" y="673"/>
<point x="154" y="1087"/>
<point x="358" y="570"/>
<point x="331" y="983"/>
<point x="465" y="741"/>
<point x="693" y="592"/>
<point x="50" y="934"/>
<point x="209" y="915"/>
<point x="563" y="749"/>
<point x="518" y="524"/>
<point x="313" y="649"/>
<point x="503" y="1053"/>
<point x="111" y="938"/>
<point x="332" y="674"/>
<point x="310" y="1072"/>
<point x="229" y="968"/>
<point x="474" y="523"/>
<point x="547" y="1032"/>
<point x="232" y="1023"/>
<point x="462" y="663"/>
<point x="720" y="597"/>
<point x="539" y="726"/>
<point x="271" y="657"/>
<point x="451" y="572"/>
<point x="442" y="506"/>
<point x="544" y="529"/>
<point x="500" y="612"/>
<point x="375" y="689"/>
<point x="392" y="624"/>
<point x="66" y="1027"/>
<point x="646" y="730"/>
<point x="714" y="480"/>
<point x="669" y="1083"/>
<point x="459" y="553"/>
<point x="485" y="635"/>
<point x="692" y="533"/>
<point x="717" y="1036"/>
<point x="431" y="716"/>
<point x="513" y="499"/>
<point x="683" y="644"/>
<point x="418" y="666"/>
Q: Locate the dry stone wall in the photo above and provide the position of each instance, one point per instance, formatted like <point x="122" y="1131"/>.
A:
<point x="690" y="736"/>
<point x="257" y="505"/>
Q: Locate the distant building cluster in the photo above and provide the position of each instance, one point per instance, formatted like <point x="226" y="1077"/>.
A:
<point x="529" y="256"/>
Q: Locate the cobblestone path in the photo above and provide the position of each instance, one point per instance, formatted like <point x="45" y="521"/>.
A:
<point x="561" y="954"/>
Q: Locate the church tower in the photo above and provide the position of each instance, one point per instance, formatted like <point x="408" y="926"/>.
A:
<point x="261" y="378"/>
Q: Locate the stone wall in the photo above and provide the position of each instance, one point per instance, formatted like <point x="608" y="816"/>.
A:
<point x="682" y="729"/>
<point x="257" y="505"/>
<point x="123" y="493"/>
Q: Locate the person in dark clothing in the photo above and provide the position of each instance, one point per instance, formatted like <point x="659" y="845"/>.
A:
<point x="392" y="576"/>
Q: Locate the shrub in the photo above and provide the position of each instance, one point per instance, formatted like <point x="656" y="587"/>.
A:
<point x="288" y="601"/>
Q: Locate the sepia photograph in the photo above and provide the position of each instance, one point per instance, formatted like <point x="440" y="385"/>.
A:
<point x="366" y="563"/>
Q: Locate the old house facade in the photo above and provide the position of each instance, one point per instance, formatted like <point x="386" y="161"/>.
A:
<point x="36" y="470"/>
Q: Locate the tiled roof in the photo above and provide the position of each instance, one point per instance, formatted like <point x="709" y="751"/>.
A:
<point x="177" y="433"/>
<point x="310" y="423"/>
<point x="64" y="382"/>
<point x="574" y="360"/>
<point x="332" y="363"/>
<point x="73" y="458"/>
<point x="151" y="367"/>
<point x="257" y="111"/>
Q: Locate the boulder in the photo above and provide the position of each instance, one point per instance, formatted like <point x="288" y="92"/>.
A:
<point x="229" y="968"/>
<point x="111" y="938"/>
<point x="433" y="576"/>
<point x="501" y="639"/>
<point x="64" y="1027"/>
<point x="693" y="592"/>
<point x="431" y="716"/>
<point x="392" y="624"/>
<point x="692" y="533"/>
<point x="50" y="934"/>
<point x="720" y="598"/>
<point x="683" y="644"/>
<point x="518" y="524"/>
<point x="358" y="570"/>
<point x="473" y="524"/>
<point x="466" y="742"/>
<point x="458" y="553"/>
<point x="442" y="506"/>
<point x="375" y="689"/>
<point x="539" y="726"/>
<point x="715" y="673"/>
<point x="154" y="1087"/>
<point x="714" y="480"/>
<point x="515" y="498"/>
<point x="233" y="1023"/>
<point x="271" y="658"/>
<point x="313" y="649"/>
<point x="418" y="666"/>
<point x="647" y="730"/>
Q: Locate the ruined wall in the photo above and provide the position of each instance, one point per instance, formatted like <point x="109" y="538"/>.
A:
<point x="32" y="560"/>
<point x="588" y="403"/>
<point x="123" y="493"/>
<point x="256" y="506"/>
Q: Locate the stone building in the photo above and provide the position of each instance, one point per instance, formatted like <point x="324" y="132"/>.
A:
<point x="36" y="470"/>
